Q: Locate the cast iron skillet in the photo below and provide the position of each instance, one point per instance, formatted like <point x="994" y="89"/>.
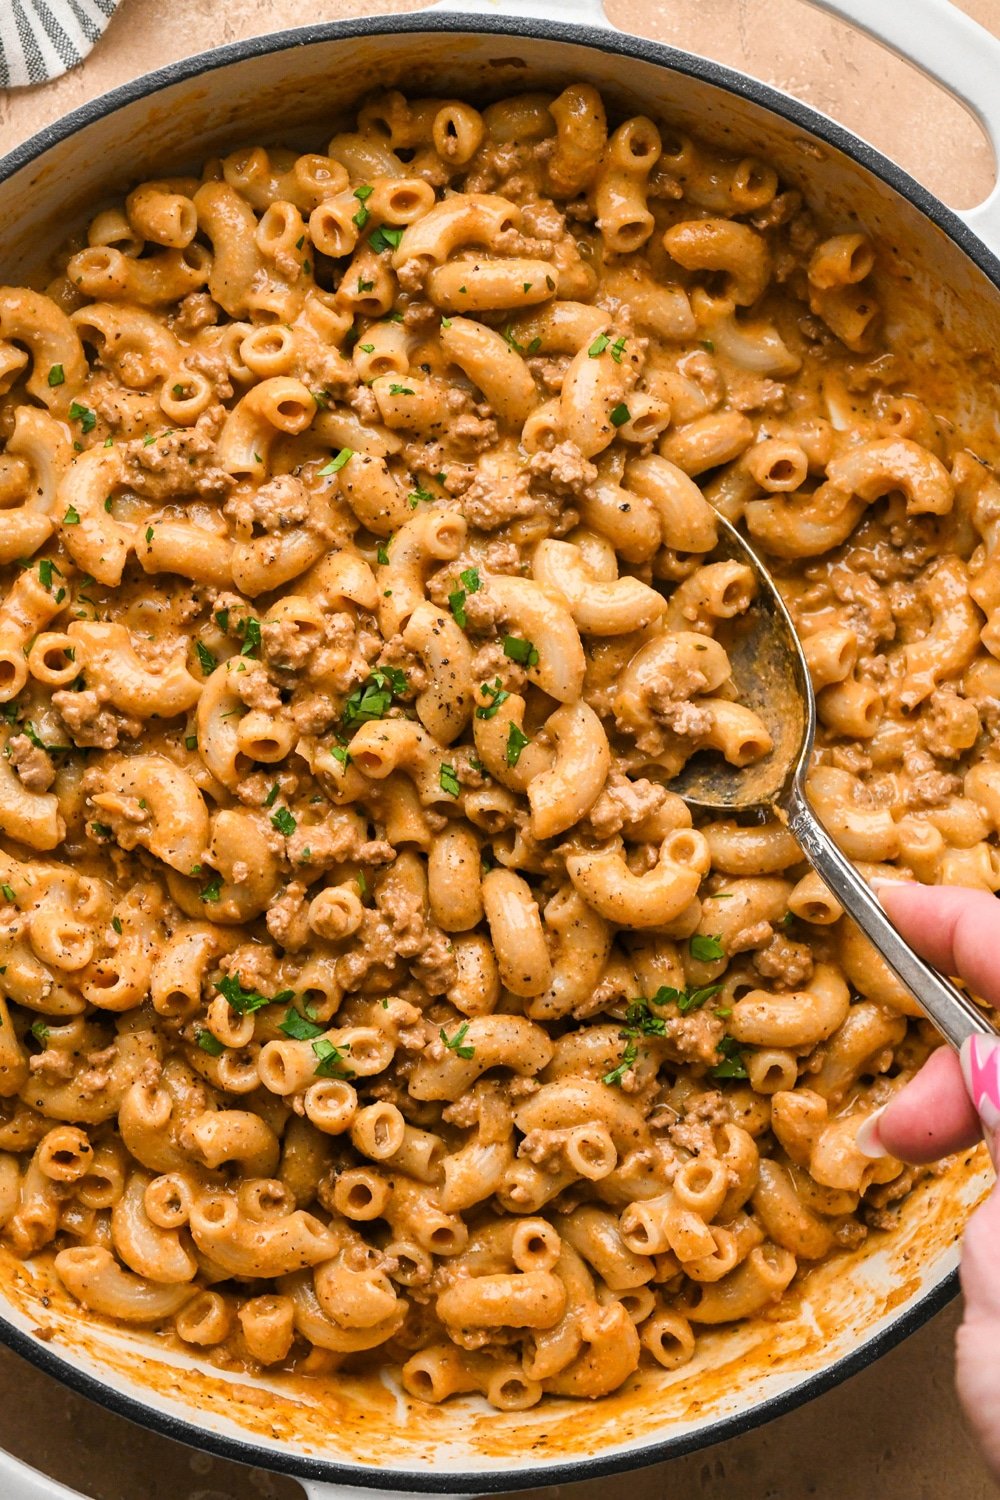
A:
<point x="265" y="88"/>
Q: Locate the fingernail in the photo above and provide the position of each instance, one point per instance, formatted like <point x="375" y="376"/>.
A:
<point x="868" y="1140"/>
<point x="980" y="1059"/>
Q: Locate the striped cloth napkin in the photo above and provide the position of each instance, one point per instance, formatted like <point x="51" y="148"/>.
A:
<point x="39" y="39"/>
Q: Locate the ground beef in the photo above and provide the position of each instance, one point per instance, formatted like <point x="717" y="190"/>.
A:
<point x="926" y="786"/>
<point x="565" y="469"/>
<point x="474" y="433"/>
<point x="428" y="950"/>
<point x="788" y="962"/>
<point x="491" y="501"/>
<point x="281" y="502"/>
<point x="694" y="1038"/>
<point x="196" y="310"/>
<point x="254" y="688"/>
<point x="286" y="917"/>
<point x="490" y="662"/>
<point x="624" y="803"/>
<point x="335" y="841"/>
<point x="180" y="462"/>
<point x="950" y="724"/>
<point x="31" y="763"/>
<point x="91" y="725"/>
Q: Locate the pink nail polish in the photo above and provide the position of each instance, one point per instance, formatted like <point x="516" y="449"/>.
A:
<point x="980" y="1060"/>
<point x="868" y="1140"/>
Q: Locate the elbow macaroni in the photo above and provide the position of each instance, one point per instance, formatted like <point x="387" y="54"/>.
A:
<point x="356" y="611"/>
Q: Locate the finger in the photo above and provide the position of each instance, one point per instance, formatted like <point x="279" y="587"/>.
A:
<point x="955" y="929"/>
<point x="978" y="1368"/>
<point x="932" y="1116"/>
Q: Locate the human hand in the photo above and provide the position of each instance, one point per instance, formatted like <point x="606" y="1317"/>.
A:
<point x="958" y="931"/>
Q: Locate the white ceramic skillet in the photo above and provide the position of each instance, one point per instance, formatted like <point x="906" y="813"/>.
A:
<point x="939" y="270"/>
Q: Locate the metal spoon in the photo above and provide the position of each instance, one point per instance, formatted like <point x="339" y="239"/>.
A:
<point x="771" y="677"/>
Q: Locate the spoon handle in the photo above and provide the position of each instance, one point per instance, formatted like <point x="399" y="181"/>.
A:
<point x="953" y="1013"/>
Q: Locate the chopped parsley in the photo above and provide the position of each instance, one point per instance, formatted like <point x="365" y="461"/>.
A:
<point x="32" y="734"/>
<point x="367" y="348"/>
<point x="72" y="516"/>
<point x="210" y="1044"/>
<point x="83" y="414"/>
<point x="640" y="1019"/>
<point x="283" y="821"/>
<point x="149" y="533"/>
<point x="614" y="1078"/>
<point x="8" y="891"/>
<point x="245" y="1001"/>
<point x="57" y="375"/>
<point x="46" y="568"/>
<point x="212" y="891"/>
<point x="456" y="603"/>
<point x="341" y="753"/>
<point x="40" y="1032"/>
<point x="206" y="658"/>
<point x="470" y="580"/>
<point x="382" y="553"/>
<point x="498" y="694"/>
<point x="707" y="344"/>
<point x="732" y="1064"/>
<point x="116" y="923"/>
<point x="299" y="1027"/>
<point x="516" y="741"/>
<point x="618" y="349"/>
<point x="251" y="636"/>
<point x="385" y="239"/>
<point x="190" y="742"/>
<point x="457" y="1043"/>
<point x="706" y="949"/>
<point x="374" y="698"/>
<point x="620" y="414"/>
<point x="330" y="1059"/>
<point x="520" y="650"/>
<point x="365" y="286"/>
<point x="599" y="345"/>
<point x="686" y="1000"/>
<point x="400" y="390"/>
<point x="101" y="830"/>
<point x="449" y="781"/>
<point x="272" y="795"/>
<point x="337" y="463"/>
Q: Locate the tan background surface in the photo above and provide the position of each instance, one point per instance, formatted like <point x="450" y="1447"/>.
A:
<point x="894" y="1431"/>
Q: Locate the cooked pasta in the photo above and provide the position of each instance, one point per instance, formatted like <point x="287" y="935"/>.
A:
<point x="365" y="991"/>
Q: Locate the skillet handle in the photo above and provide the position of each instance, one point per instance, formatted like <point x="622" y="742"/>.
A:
<point x="575" y="12"/>
<point x="952" y="48"/>
<point x="18" y="1482"/>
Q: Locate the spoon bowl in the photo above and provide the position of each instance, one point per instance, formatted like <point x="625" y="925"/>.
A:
<point x="771" y="677"/>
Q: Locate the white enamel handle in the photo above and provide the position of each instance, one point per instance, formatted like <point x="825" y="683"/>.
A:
<point x="962" y="55"/>
<point x="575" y="12"/>
<point x="18" y="1482"/>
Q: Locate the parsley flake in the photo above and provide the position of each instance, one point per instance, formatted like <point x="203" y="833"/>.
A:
<point x="449" y="781"/>
<point x="615" y="1076"/>
<point x="497" y="693"/>
<point x="457" y="1043"/>
<point x="516" y="741"/>
<point x="706" y="949"/>
<point x="83" y="414"/>
<point x="284" y="822"/>
<point x="520" y="650"/>
<point x="57" y="375"/>
<point x="620" y="415"/>
<point x="330" y="1059"/>
<point x="337" y="463"/>
<point x="599" y="345"/>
